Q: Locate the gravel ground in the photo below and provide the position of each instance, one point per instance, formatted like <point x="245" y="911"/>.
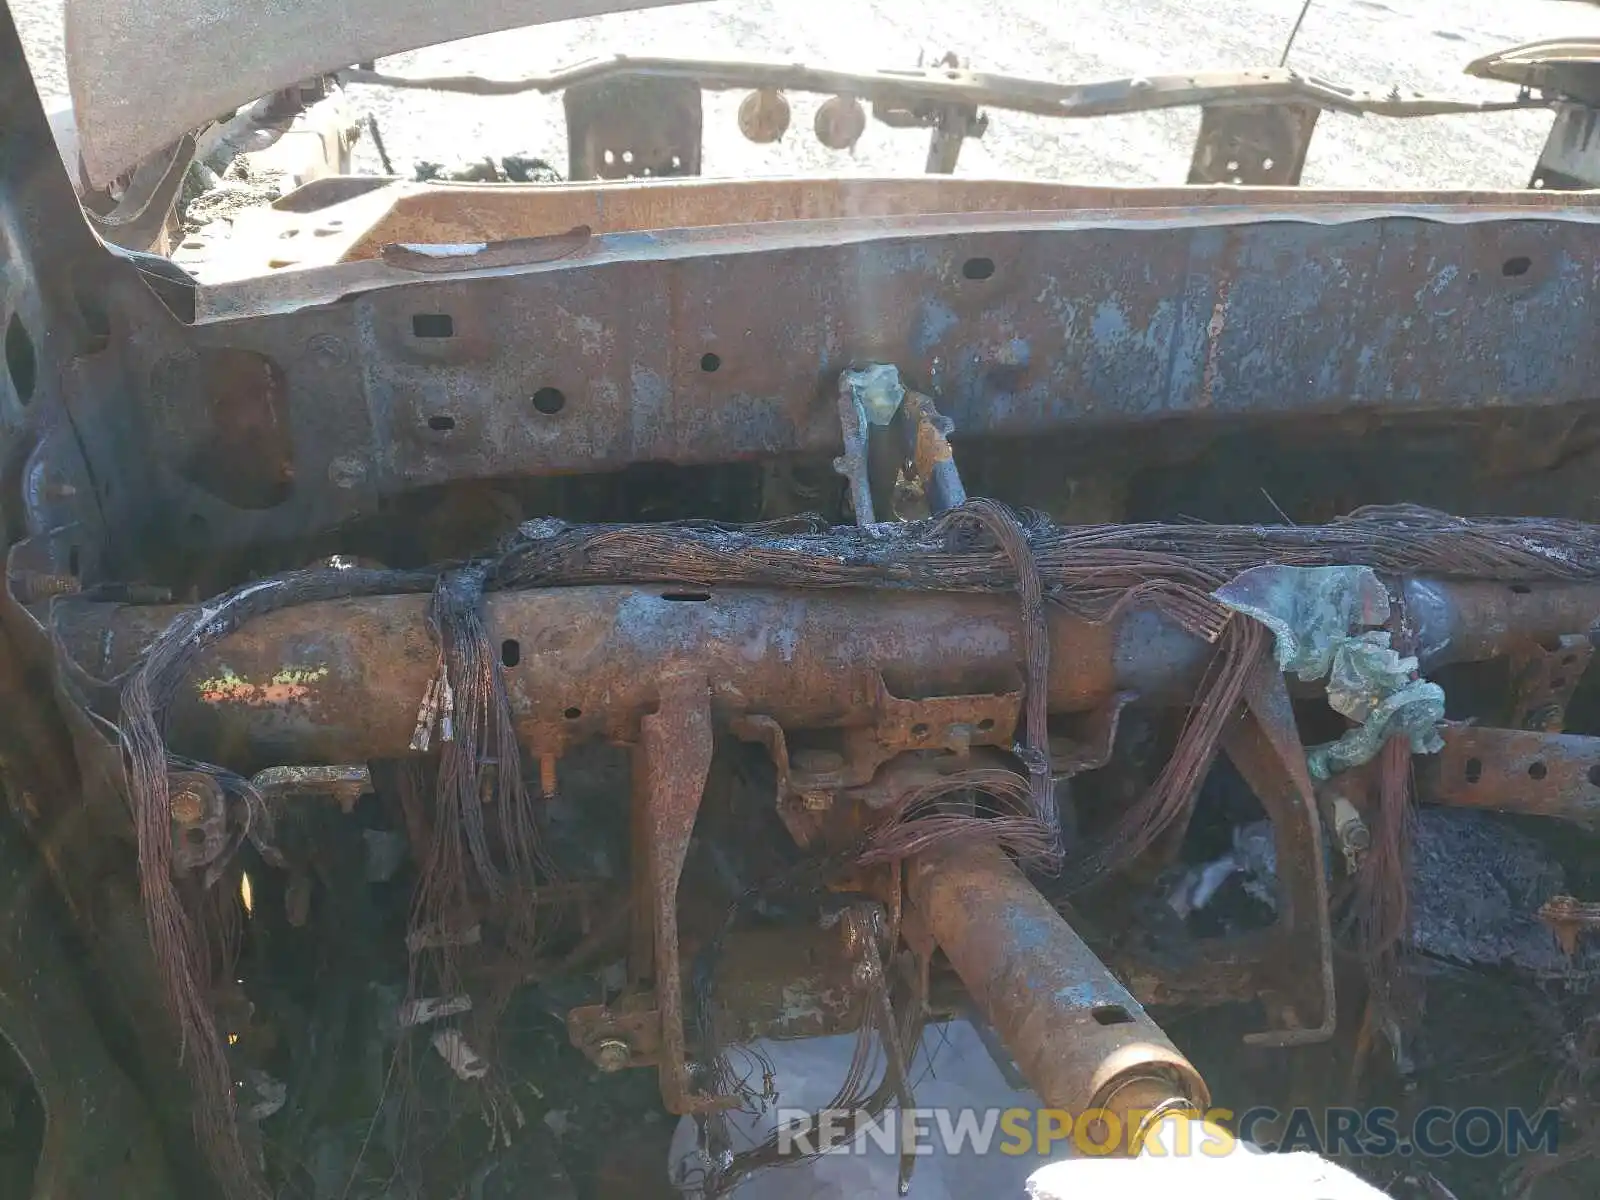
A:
<point x="1416" y="44"/>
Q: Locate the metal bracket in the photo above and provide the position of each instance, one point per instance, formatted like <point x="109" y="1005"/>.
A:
<point x="1544" y="679"/>
<point x="675" y="754"/>
<point x="1570" y="160"/>
<point x="633" y="127"/>
<point x="869" y="397"/>
<point x="1255" y="145"/>
<point x="927" y="438"/>
<point x="1518" y="771"/>
<point x="1296" y="960"/>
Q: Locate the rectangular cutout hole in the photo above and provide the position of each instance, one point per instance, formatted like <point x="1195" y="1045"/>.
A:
<point x="1112" y="1014"/>
<point x="433" y="325"/>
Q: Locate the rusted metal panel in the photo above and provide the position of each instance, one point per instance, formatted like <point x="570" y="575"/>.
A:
<point x="1078" y="1036"/>
<point x="1013" y="327"/>
<point x="310" y="228"/>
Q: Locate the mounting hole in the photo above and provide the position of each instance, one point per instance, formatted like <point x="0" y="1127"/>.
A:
<point x="919" y="730"/>
<point x="1520" y="589"/>
<point x="1594" y="775"/>
<point x="1233" y="164"/>
<point x="1473" y="770"/>
<point x="977" y="268"/>
<point x="573" y="713"/>
<point x="433" y="325"/>
<point x="709" y="362"/>
<point x="686" y="597"/>
<point x="1111" y="1014"/>
<point x="1266" y="164"/>
<point x="1538" y="181"/>
<point x="1517" y="265"/>
<point x="986" y="724"/>
<point x="195" y="836"/>
<point x="20" y="362"/>
<point x="510" y="652"/>
<point x="441" y="424"/>
<point x="549" y="401"/>
<point x="1537" y="770"/>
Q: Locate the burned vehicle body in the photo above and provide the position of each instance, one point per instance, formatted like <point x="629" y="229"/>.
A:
<point x="724" y="593"/>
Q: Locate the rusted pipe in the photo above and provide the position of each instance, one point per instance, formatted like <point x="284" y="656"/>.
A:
<point x="340" y="681"/>
<point x="1079" y="1037"/>
<point x="1470" y="620"/>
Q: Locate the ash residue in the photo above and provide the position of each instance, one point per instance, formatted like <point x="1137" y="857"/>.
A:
<point x="1476" y="888"/>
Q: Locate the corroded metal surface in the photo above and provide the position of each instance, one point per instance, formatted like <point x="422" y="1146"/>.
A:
<point x="1078" y="1036"/>
<point x="1162" y="316"/>
<point x="590" y="658"/>
<point x="1518" y="771"/>
<point x="675" y="750"/>
<point x="1294" y="968"/>
<point x="1544" y="677"/>
<point x="318" y="226"/>
<point x="1471" y="622"/>
<point x="340" y="681"/>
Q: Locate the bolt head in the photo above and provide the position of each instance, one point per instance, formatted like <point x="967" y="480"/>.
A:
<point x="188" y="808"/>
<point x="612" y="1055"/>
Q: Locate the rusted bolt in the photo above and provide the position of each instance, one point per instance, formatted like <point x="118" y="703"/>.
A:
<point x="188" y="807"/>
<point x="840" y="122"/>
<point x="612" y="1055"/>
<point x="764" y="116"/>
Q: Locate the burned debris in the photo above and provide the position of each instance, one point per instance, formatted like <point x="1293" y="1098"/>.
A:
<point x="472" y="690"/>
<point x="901" y="708"/>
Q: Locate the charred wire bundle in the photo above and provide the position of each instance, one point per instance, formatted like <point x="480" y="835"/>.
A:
<point x="1089" y="569"/>
<point x="921" y="822"/>
<point x="479" y="764"/>
<point x="1381" y="902"/>
<point x="1094" y="571"/>
<point x="1241" y="654"/>
<point x="175" y="938"/>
